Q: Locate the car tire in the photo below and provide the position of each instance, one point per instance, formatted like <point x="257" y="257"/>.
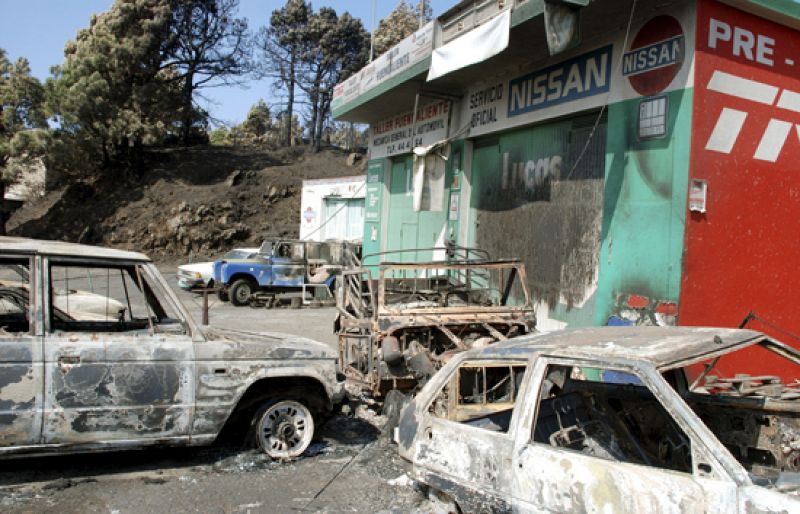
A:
<point x="283" y="428"/>
<point x="222" y="294"/>
<point x="240" y="292"/>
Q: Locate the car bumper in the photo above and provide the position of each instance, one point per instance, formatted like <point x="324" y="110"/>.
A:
<point x="189" y="284"/>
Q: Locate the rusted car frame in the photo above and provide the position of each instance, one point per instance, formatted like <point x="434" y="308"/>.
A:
<point x="148" y="374"/>
<point x="400" y="322"/>
<point x="638" y="437"/>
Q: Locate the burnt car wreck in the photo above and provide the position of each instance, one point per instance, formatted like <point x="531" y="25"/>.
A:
<point x="97" y="352"/>
<point x="607" y="420"/>
<point x="398" y="323"/>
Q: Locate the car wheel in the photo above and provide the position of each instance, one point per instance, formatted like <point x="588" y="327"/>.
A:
<point x="240" y="292"/>
<point x="284" y="428"/>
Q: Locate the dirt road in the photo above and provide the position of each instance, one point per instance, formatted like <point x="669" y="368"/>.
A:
<point x="350" y="468"/>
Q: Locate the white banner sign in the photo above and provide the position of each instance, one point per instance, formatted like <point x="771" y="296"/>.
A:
<point x="397" y="59"/>
<point x="475" y="46"/>
<point x="397" y="135"/>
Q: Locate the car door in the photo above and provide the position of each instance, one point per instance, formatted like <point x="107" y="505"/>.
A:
<point x="118" y="360"/>
<point x="464" y="439"/>
<point x="21" y="400"/>
<point x="611" y="445"/>
<point x="288" y="264"/>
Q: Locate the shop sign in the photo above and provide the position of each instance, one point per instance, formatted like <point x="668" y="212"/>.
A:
<point x="399" y="58"/>
<point x="374" y="196"/>
<point x="755" y="115"/>
<point x="656" y="55"/>
<point x="403" y="132"/>
<point x="584" y="76"/>
<point x="575" y="84"/>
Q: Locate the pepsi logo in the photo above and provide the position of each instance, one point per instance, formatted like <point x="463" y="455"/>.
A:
<point x="656" y="55"/>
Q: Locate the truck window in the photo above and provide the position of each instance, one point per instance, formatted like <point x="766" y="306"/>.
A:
<point x="114" y="298"/>
<point x="484" y="397"/>
<point x="15" y="295"/>
<point x="614" y="417"/>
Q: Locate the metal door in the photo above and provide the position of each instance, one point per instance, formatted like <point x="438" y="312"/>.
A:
<point x="20" y="355"/>
<point x="128" y="382"/>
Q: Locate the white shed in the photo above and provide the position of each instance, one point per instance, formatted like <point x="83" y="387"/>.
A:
<point x="333" y="208"/>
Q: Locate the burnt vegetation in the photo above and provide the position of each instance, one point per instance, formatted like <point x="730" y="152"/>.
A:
<point x="111" y="121"/>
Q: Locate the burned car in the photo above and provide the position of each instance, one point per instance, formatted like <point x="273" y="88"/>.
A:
<point x="607" y="420"/>
<point x="137" y="370"/>
<point x="397" y="328"/>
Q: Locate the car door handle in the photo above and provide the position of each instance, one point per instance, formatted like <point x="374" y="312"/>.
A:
<point x="69" y="359"/>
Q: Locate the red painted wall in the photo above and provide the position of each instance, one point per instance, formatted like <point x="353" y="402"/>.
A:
<point x="743" y="254"/>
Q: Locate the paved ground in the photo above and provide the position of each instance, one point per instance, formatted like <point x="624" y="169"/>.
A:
<point x="348" y="469"/>
<point x="315" y="323"/>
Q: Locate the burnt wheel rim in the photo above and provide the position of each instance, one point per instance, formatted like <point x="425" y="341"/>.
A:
<point x="285" y="429"/>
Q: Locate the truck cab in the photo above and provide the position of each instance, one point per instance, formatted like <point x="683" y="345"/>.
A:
<point x="281" y="266"/>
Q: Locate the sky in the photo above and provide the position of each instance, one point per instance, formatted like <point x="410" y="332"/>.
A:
<point x="38" y="30"/>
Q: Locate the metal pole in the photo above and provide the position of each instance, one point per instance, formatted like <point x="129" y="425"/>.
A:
<point x="372" y="34"/>
<point x="205" y="307"/>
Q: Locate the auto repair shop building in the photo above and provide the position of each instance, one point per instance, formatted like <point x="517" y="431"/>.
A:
<point x="642" y="158"/>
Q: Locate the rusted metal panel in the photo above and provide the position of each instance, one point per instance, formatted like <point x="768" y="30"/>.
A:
<point x="430" y="311"/>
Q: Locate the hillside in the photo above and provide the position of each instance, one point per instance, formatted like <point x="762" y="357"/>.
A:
<point x="191" y="201"/>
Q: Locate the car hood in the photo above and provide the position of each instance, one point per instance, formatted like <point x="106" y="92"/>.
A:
<point x="202" y="267"/>
<point x="241" y="344"/>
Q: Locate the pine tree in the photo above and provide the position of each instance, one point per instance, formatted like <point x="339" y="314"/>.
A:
<point x="22" y="122"/>
<point x="112" y="95"/>
<point x="282" y="44"/>
<point x="401" y="23"/>
<point x="207" y="45"/>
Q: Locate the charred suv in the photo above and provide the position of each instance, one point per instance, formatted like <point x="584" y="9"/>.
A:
<point x="611" y="420"/>
<point x="400" y="322"/>
<point x="131" y="368"/>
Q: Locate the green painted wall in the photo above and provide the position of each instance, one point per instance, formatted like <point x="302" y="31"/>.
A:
<point x="407" y="228"/>
<point x="644" y="206"/>
<point x="373" y="207"/>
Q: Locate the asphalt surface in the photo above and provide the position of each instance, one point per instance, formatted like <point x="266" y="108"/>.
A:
<point x="312" y="322"/>
<point x="351" y="466"/>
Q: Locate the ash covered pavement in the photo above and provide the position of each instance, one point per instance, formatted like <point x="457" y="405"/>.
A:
<point x="351" y="467"/>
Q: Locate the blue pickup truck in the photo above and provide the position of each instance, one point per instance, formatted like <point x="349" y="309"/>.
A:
<point x="280" y="266"/>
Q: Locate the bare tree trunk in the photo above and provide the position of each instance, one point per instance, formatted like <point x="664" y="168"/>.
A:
<point x="3" y="214"/>
<point x="186" y="123"/>
<point x="290" y="101"/>
<point x="324" y="105"/>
